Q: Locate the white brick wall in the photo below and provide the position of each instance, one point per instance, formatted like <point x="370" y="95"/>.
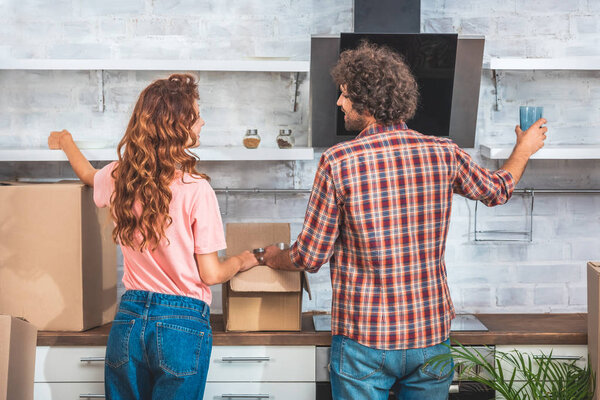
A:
<point x="546" y="275"/>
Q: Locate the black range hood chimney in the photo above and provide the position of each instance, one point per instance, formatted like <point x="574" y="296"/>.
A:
<point x="392" y="17"/>
<point x="387" y="16"/>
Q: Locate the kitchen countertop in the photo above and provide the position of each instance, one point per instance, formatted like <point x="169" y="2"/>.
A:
<point x="503" y="329"/>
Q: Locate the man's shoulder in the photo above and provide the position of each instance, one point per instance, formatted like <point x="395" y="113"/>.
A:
<point x="407" y="137"/>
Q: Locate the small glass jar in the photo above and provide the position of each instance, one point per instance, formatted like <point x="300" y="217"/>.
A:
<point x="285" y="140"/>
<point x="251" y="139"/>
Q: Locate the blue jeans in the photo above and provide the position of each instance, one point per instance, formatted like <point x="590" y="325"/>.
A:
<point x="359" y="372"/>
<point x="158" y="348"/>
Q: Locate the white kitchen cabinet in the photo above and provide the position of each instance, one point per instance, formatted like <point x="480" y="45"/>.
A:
<point x="68" y="390"/>
<point x="262" y="363"/>
<point x="69" y="364"/>
<point x="260" y="390"/>
<point x="273" y="372"/>
<point x="567" y="353"/>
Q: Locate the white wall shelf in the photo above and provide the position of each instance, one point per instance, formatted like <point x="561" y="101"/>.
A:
<point x="499" y="65"/>
<point x="555" y="152"/>
<point x="262" y="65"/>
<point x="570" y="63"/>
<point x="204" y="153"/>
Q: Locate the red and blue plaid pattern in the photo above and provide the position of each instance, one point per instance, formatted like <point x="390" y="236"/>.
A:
<point x="379" y="212"/>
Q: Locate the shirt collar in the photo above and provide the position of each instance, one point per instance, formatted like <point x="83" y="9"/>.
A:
<point x="379" y="128"/>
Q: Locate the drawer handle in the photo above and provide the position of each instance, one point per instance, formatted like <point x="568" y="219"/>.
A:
<point x="245" y="396"/>
<point x="454" y="389"/>
<point x="92" y="396"/>
<point x="564" y="358"/>
<point x="245" y="359"/>
<point x="92" y="359"/>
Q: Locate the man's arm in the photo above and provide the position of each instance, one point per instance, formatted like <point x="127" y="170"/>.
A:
<point x="528" y="143"/>
<point x="82" y="167"/>
<point x="280" y="259"/>
<point x="315" y="243"/>
<point x="494" y="188"/>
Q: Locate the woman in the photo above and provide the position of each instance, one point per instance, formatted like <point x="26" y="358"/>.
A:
<point x="168" y="224"/>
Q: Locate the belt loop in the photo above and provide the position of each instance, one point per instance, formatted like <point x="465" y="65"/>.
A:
<point x="148" y="299"/>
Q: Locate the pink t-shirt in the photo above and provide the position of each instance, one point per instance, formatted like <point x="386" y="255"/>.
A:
<point x="196" y="228"/>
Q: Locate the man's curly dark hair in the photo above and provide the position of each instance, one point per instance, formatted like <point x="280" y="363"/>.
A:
<point x="379" y="82"/>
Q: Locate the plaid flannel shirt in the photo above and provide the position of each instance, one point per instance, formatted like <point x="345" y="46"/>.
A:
<point x="379" y="212"/>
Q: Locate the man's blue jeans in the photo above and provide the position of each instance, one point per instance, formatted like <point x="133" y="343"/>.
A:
<point x="359" y="372"/>
<point x="158" y="348"/>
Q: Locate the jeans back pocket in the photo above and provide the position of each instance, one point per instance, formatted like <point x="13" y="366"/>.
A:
<point x="117" y="348"/>
<point x="439" y="369"/>
<point x="355" y="360"/>
<point x="179" y="348"/>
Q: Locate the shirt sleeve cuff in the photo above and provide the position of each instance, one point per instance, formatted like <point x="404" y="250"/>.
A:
<point x="295" y="256"/>
<point x="209" y="248"/>
<point x="508" y="179"/>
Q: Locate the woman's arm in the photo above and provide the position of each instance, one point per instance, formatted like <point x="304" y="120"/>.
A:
<point x="213" y="271"/>
<point x="82" y="167"/>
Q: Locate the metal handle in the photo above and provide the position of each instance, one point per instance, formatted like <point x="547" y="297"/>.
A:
<point x="454" y="389"/>
<point x="245" y="396"/>
<point x="92" y="396"/>
<point x="245" y="359"/>
<point x="564" y="358"/>
<point x="92" y="359"/>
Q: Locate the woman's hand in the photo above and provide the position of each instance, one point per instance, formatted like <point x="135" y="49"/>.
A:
<point x="62" y="140"/>
<point x="248" y="260"/>
<point x="57" y="139"/>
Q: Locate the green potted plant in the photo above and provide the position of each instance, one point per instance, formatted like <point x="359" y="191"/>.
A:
<point x="520" y="376"/>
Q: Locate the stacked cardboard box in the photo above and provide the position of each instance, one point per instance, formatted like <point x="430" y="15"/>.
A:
<point x="593" y="301"/>
<point x="57" y="257"/>
<point x="17" y="358"/>
<point x="261" y="299"/>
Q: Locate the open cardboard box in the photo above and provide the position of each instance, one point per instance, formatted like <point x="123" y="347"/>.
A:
<point x="17" y="358"/>
<point x="593" y="328"/>
<point x="58" y="264"/>
<point x="262" y="299"/>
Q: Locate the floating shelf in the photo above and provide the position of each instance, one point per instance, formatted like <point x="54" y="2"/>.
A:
<point x="570" y="63"/>
<point x="204" y="153"/>
<point x="157" y="65"/>
<point x="556" y="152"/>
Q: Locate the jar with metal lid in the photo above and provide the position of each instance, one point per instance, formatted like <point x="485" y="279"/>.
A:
<point x="285" y="140"/>
<point x="251" y="139"/>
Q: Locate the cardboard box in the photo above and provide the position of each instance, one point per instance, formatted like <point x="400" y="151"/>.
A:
<point x="57" y="257"/>
<point x="17" y="358"/>
<point x="261" y="299"/>
<point x="593" y="329"/>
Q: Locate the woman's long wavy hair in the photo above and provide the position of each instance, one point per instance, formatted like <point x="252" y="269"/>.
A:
<point x="150" y="153"/>
<point x="378" y="82"/>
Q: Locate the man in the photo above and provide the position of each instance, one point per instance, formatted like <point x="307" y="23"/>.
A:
<point x="379" y="213"/>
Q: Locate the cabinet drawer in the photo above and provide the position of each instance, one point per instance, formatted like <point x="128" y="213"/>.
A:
<point x="260" y="391"/>
<point x="262" y="363"/>
<point x="68" y="390"/>
<point x="69" y="364"/>
<point x="566" y="353"/>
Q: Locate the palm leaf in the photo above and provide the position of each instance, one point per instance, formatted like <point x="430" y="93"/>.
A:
<point x="529" y="378"/>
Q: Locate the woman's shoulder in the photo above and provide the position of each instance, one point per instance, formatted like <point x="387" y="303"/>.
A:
<point x="193" y="182"/>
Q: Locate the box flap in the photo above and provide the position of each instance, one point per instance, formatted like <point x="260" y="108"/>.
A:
<point x="242" y="237"/>
<point x="266" y="279"/>
<point x="594" y="264"/>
